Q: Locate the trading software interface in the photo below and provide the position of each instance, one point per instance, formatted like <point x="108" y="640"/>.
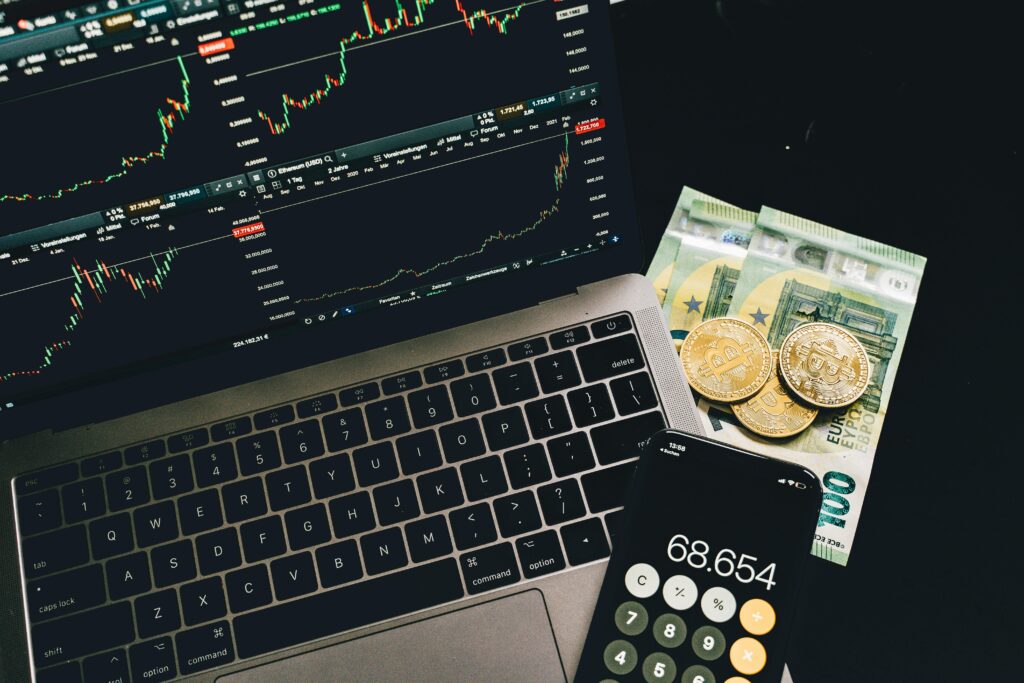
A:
<point x="189" y="174"/>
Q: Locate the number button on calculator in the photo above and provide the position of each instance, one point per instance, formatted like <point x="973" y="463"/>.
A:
<point x="620" y="657"/>
<point x="631" y="618"/>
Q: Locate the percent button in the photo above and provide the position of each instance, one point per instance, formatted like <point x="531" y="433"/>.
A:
<point x="718" y="604"/>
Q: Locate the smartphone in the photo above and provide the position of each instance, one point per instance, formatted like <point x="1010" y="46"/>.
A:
<point x="706" y="567"/>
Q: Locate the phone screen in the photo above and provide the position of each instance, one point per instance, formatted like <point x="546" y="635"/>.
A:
<point x="705" y="569"/>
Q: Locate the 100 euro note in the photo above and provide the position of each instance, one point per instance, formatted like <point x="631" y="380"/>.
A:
<point x="799" y="271"/>
<point x="660" y="270"/>
<point x="712" y="246"/>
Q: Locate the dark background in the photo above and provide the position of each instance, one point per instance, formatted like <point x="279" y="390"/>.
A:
<point x="900" y="123"/>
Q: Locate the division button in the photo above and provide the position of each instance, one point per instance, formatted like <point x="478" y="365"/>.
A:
<point x="718" y="604"/>
<point x="747" y="656"/>
<point x="757" y="616"/>
<point x="620" y="657"/>
<point x="680" y="592"/>
<point x="631" y="618"/>
<point x="642" y="580"/>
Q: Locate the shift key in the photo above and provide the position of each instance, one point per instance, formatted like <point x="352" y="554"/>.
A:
<point x="82" y="634"/>
<point x="615" y="356"/>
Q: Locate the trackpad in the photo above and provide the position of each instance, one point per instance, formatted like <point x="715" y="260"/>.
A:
<point x="504" y="641"/>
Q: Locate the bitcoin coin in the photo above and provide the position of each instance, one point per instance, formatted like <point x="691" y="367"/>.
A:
<point x="773" y="412"/>
<point x="824" y="365"/>
<point x="726" y="359"/>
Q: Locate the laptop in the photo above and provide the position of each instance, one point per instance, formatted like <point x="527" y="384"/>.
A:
<point x="324" y="352"/>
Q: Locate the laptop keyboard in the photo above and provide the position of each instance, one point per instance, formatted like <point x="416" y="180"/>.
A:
<point x="236" y="539"/>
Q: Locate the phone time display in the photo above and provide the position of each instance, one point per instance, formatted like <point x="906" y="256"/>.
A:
<point x="743" y="568"/>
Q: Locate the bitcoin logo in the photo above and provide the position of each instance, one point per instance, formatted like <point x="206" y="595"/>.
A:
<point x="725" y="359"/>
<point x="771" y="400"/>
<point x="823" y="362"/>
<point x="824" y="365"/>
<point x="773" y="412"/>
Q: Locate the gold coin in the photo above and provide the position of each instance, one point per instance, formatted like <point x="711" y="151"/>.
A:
<point x="824" y="365"/>
<point x="726" y="359"/>
<point x="773" y="412"/>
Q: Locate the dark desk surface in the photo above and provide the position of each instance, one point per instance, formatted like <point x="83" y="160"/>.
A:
<point x="904" y="128"/>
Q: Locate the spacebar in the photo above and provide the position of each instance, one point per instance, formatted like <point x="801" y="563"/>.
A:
<point x="344" y="609"/>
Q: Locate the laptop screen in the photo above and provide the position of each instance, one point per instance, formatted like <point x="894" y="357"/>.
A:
<point x="197" y="193"/>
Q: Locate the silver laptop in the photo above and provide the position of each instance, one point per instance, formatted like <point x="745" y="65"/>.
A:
<point x="324" y="355"/>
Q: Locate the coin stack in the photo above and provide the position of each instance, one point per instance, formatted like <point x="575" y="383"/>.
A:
<point x="820" y="365"/>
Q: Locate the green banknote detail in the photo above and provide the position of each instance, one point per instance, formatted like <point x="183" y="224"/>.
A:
<point x="711" y="250"/>
<point x="798" y="271"/>
<point x="660" y="270"/>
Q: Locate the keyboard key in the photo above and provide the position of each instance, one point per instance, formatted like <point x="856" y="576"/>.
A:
<point x="171" y="477"/>
<point x="155" y="524"/>
<point x="540" y="554"/>
<point x="359" y="394"/>
<point x="591" y="405"/>
<point x="440" y="490"/>
<point x="274" y="417"/>
<point x="606" y="489"/>
<point x="489" y="568"/>
<point x="128" y="575"/>
<point x="345" y="430"/>
<point x="37" y="481"/>
<point x="571" y="337"/>
<point x="51" y="552"/>
<point x="486" y="360"/>
<point x="218" y="551"/>
<point x="517" y="514"/>
<point x="548" y="416"/>
<point x="244" y="500"/>
<point x="186" y="441"/>
<point x="215" y="465"/>
<point x="317" y="405"/>
<point x="430" y="407"/>
<point x="528" y="349"/>
<point x="293" y="576"/>
<point x="332" y="476"/>
<point x="204" y="648"/>
<point x="199" y="512"/>
<point x="473" y="526"/>
<point x="153" y="661"/>
<point x="396" y="502"/>
<point x="258" y="453"/>
<point x="484" y="478"/>
<point x="585" y="541"/>
<point x="376" y="463"/>
<point x="462" y="440"/>
<point x="83" y="634"/>
<point x="101" y="464"/>
<point x="248" y="588"/>
<point x="308" y="526"/>
<point x="173" y="563"/>
<point x="387" y="418"/>
<point x="144" y="452"/>
<point x="625" y="439"/>
<point x="109" y="666"/>
<point x="515" y="383"/>
<point x="403" y="382"/>
<point x="352" y="514"/>
<point x="127" y="488"/>
<point x="527" y="466"/>
<point x="288" y="488"/>
<point x="606" y="328"/>
<point x="39" y="512"/>
<point x="505" y="428"/>
<point x="301" y="441"/>
<point x="384" y="551"/>
<point x="571" y="454"/>
<point x="557" y="372"/>
<point x="157" y="613"/>
<point x="203" y="601"/>
<point x="634" y="393"/>
<point x="347" y="608"/>
<point x="62" y="594"/>
<point x="428" y="538"/>
<point x="615" y="356"/>
<point x="240" y="426"/>
<point x="419" y="452"/>
<point x="472" y="395"/>
<point x="111" y="536"/>
<point x="338" y="563"/>
<point x="442" y="371"/>
<point x="561" y="501"/>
